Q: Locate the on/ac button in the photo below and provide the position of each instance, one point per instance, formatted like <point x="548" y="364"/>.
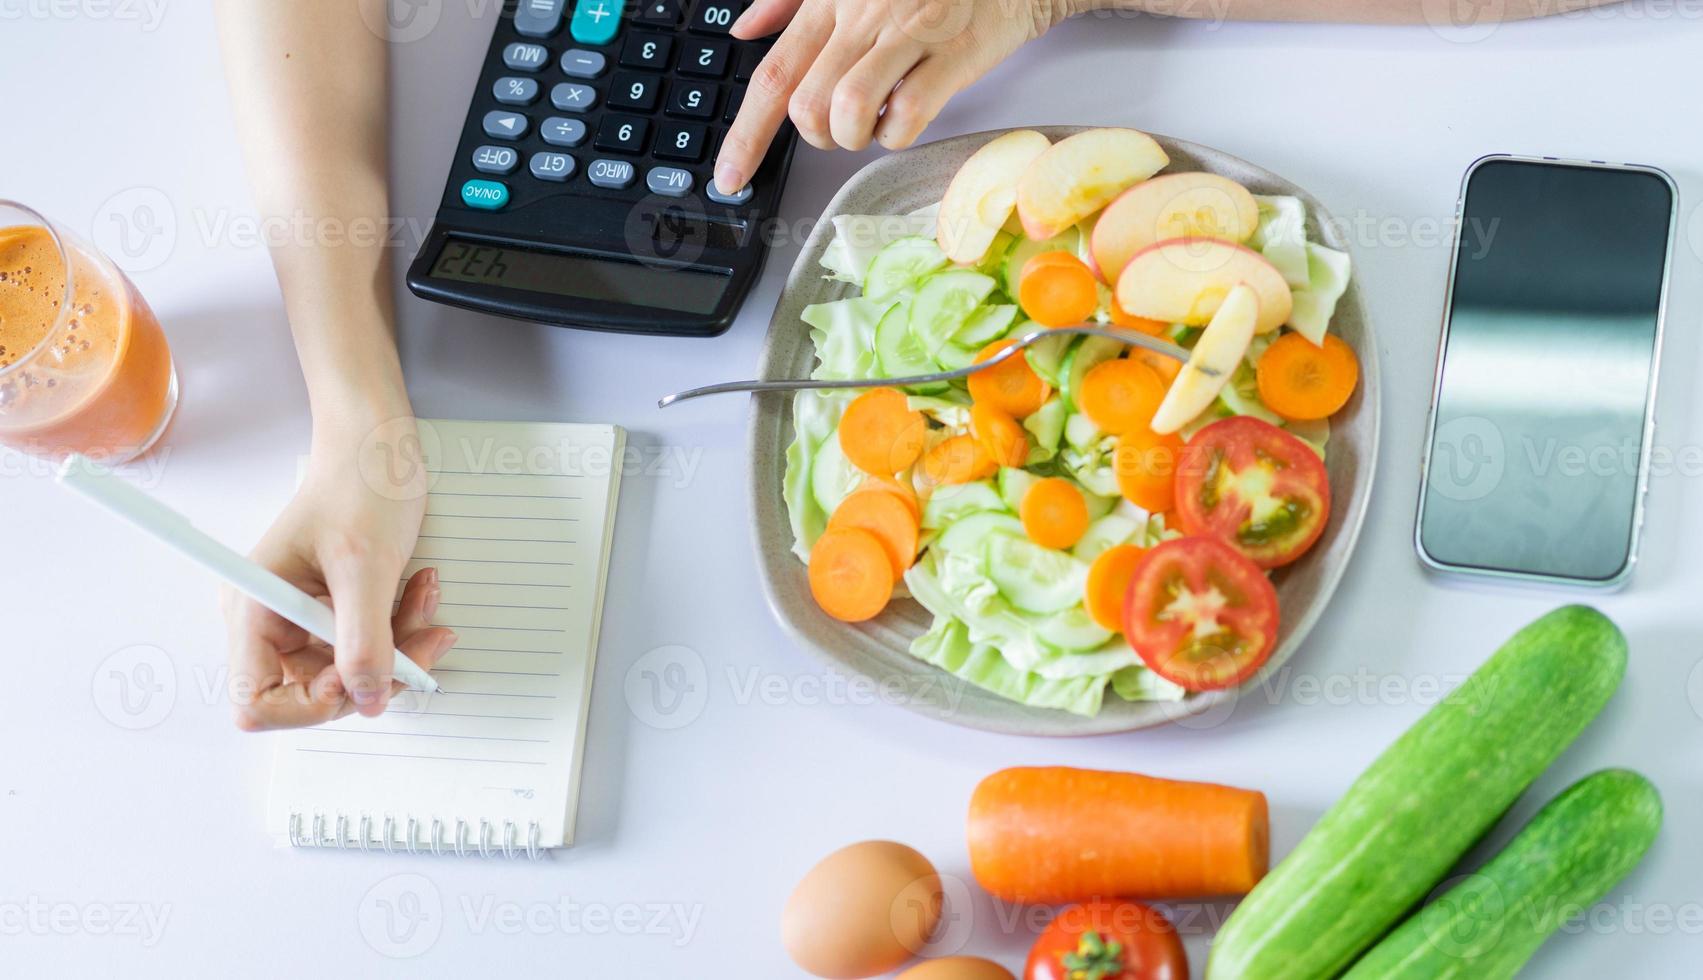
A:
<point x="486" y="195"/>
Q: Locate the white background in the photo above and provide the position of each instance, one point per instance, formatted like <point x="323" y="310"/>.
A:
<point x="108" y="112"/>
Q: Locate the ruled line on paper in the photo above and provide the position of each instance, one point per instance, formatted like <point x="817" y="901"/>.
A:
<point x="470" y="738"/>
<point x="411" y="755"/>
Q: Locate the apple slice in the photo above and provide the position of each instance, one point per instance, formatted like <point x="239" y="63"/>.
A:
<point x="1185" y="280"/>
<point x="1212" y="363"/>
<point x="983" y="193"/>
<point x="1186" y="205"/>
<point x="1080" y="174"/>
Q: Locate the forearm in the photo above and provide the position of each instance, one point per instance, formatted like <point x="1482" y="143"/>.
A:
<point x="308" y="82"/>
<point x="1345" y="11"/>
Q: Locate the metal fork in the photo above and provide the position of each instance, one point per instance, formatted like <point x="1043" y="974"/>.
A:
<point x="1018" y="343"/>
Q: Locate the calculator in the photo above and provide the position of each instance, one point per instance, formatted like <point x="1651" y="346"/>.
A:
<point x="581" y="191"/>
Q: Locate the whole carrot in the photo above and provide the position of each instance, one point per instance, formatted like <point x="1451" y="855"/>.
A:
<point x="1056" y="834"/>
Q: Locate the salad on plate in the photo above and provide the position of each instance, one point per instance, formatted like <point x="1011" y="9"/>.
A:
<point x="1088" y="515"/>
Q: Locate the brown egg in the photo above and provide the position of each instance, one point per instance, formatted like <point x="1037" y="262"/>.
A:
<point x="862" y="910"/>
<point x="957" y="968"/>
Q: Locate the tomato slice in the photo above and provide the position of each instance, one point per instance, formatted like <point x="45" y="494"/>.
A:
<point x="1110" y="940"/>
<point x="1254" y="486"/>
<point x="1201" y="614"/>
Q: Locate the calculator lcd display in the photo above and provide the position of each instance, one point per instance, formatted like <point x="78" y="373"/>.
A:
<point x="580" y="276"/>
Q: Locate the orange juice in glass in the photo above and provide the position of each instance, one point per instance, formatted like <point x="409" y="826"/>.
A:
<point x="84" y="366"/>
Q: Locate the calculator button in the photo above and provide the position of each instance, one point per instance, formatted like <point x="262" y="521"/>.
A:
<point x="551" y="166"/>
<point x="740" y="197"/>
<point x="750" y="56"/>
<point x="514" y="90"/>
<point x="486" y="195"/>
<point x="595" y="21"/>
<point x="646" y="51"/>
<point x="490" y="159"/>
<point x="735" y="99"/>
<point x="668" y="181"/>
<point x="715" y="16"/>
<point x="692" y="99"/>
<point x="628" y="90"/>
<point x="573" y="96"/>
<point x="521" y="56"/>
<point x="659" y="13"/>
<point x="561" y="131"/>
<point x="706" y="58"/>
<point x="613" y="174"/>
<point x="505" y="125"/>
<point x="623" y="133"/>
<point x="580" y="63"/>
<point x="680" y="141"/>
<point x="539" y="18"/>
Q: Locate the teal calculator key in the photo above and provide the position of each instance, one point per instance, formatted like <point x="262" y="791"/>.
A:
<point x="595" y="21"/>
<point x="486" y="195"/>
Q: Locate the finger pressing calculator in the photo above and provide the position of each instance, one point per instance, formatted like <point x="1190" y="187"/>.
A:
<point x="581" y="191"/>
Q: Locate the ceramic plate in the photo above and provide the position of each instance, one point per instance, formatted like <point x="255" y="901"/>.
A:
<point x="902" y="182"/>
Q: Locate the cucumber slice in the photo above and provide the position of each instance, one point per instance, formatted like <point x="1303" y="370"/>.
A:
<point x="1081" y="433"/>
<point x="1242" y="396"/>
<point x="1046" y="356"/>
<point x="1073" y="629"/>
<point x="1013" y="484"/>
<point x="970" y="532"/>
<point x="1098" y="479"/>
<point x="1315" y="433"/>
<point x="1024" y="249"/>
<point x="898" y="351"/>
<point x="832" y="475"/>
<point x="953" y="503"/>
<point x="953" y="356"/>
<point x="1047" y="424"/>
<point x="1105" y="534"/>
<point x="944" y="301"/>
<point x="1098" y="505"/>
<point x="899" y="264"/>
<point x="986" y="325"/>
<point x="993" y="263"/>
<point x="1084" y="357"/>
<point x="1033" y="578"/>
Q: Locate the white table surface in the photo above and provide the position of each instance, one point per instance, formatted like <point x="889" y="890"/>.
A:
<point x="691" y="836"/>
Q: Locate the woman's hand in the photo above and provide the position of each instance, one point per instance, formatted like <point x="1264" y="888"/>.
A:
<point x="839" y="62"/>
<point x="346" y="535"/>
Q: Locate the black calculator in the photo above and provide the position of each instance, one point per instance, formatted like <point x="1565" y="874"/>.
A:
<point x="581" y="191"/>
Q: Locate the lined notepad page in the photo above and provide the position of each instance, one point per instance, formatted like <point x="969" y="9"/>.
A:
<point x="518" y="524"/>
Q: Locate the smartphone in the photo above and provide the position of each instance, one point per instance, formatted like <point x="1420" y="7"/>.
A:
<point x="1537" y="446"/>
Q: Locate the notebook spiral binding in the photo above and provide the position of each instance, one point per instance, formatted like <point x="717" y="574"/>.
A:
<point x="336" y="833"/>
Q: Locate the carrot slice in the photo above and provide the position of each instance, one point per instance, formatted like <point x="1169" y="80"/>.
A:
<point x="1108" y="584"/>
<point x="1145" y="464"/>
<point x="1123" y="318"/>
<point x="1167" y="368"/>
<point x="999" y="435"/>
<point x="851" y="576"/>
<point x="1121" y="395"/>
<point x="1057" y="289"/>
<point x="1011" y="385"/>
<point x="959" y="459"/>
<point x="1054" y="834"/>
<point x="899" y="488"/>
<point x="1299" y="380"/>
<point x="884" y="515"/>
<point x="1054" y="513"/>
<point x="880" y="432"/>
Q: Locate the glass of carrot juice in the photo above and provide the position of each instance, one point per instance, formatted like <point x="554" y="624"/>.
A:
<point x="84" y="366"/>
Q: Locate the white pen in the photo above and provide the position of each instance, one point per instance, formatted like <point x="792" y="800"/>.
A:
<point x="101" y="486"/>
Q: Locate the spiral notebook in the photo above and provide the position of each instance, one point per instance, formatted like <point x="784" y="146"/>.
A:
<point x="518" y="523"/>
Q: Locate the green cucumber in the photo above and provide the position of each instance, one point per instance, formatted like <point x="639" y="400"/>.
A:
<point x="832" y="475"/>
<point x="1489" y="924"/>
<point x="1047" y="424"/>
<point x="944" y="302"/>
<point x="1085" y="357"/>
<point x="1419" y="806"/>
<point x="1013" y="484"/>
<point x="898" y="351"/>
<point x="974" y="530"/>
<point x="954" y="502"/>
<point x="1046" y="355"/>
<point x="1033" y="578"/>
<point x="900" y="263"/>
<point x="1024" y="249"/>
<point x="986" y="325"/>
<point x="1106" y="533"/>
<point x="953" y="356"/>
<point x="1073" y="630"/>
<point x="1099" y="505"/>
<point x="1081" y="433"/>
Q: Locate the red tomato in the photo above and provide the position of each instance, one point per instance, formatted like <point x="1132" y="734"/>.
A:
<point x="1108" y="941"/>
<point x="1255" y="486"/>
<point x="1200" y="613"/>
